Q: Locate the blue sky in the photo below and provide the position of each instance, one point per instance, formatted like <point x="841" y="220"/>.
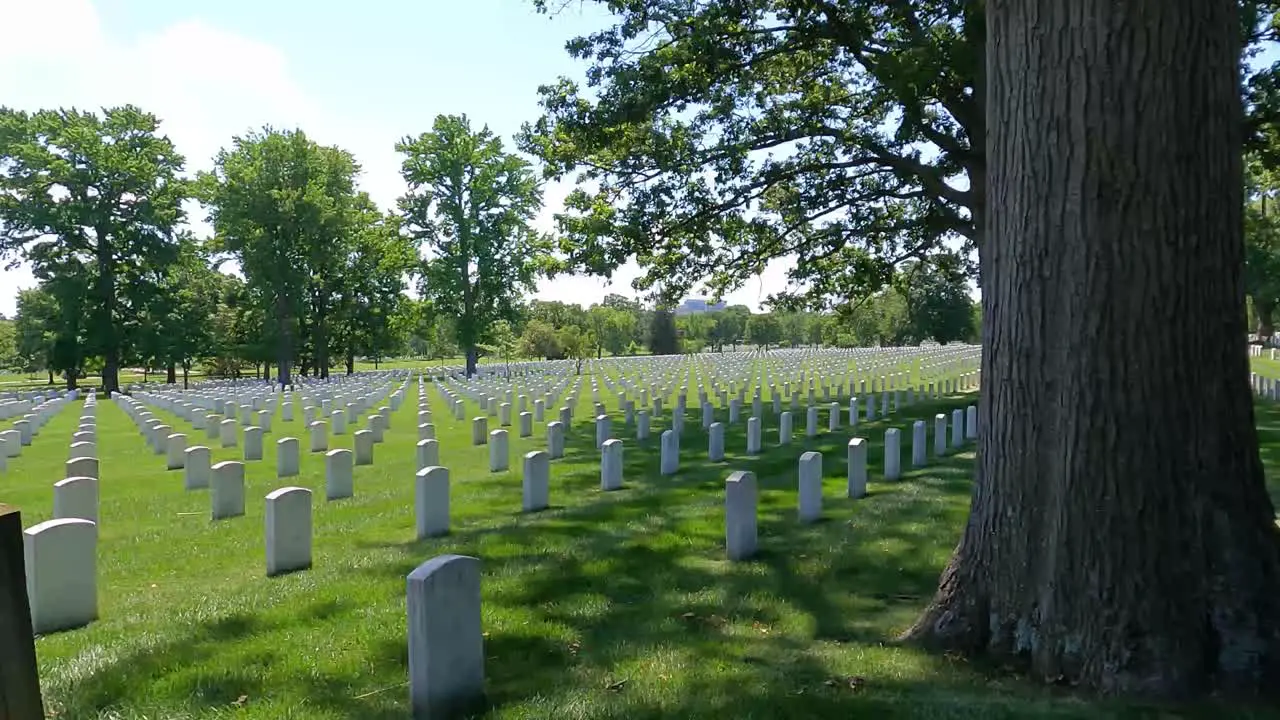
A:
<point x="361" y="79"/>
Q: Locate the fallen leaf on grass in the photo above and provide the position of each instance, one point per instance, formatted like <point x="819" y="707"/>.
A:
<point x="241" y="701"/>
<point x="616" y="685"/>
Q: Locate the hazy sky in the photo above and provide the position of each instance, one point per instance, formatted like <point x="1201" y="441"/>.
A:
<point x="361" y="79"/>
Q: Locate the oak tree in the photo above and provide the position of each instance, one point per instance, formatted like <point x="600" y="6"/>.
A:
<point x="94" y="196"/>
<point x="1120" y="536"/>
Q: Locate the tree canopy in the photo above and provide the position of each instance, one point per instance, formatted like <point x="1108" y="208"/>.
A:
<point x="91" y="202"/>
<point x="471" y="204"/>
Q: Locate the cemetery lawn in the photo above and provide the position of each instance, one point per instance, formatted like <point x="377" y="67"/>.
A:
<point x="608" y="605"/>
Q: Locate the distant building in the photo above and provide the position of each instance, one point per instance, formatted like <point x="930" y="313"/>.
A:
<point x="693" y="306"/>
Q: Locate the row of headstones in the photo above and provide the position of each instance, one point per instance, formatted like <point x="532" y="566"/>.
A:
<point x="1259" y="351"/>
<point x="27" y="428"/>
<point x="1264" y="387"/>
<point x="445" y="637"/>
<point x="257" y="411"/>
<point x="61" y="554"/>
<point x="894" y="380"/>
<point x="174" y="445"/>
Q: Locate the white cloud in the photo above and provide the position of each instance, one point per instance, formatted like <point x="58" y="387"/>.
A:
<point x="207" y="85"/>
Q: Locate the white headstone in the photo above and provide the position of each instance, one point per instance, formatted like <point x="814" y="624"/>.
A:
<point x="288" y="530"/>
<point x="446" y="643"/>
<point x="555" y="439"/>
<point x="175" y="451"/>
<point x="339" y="479"/>
<point x="537" y="481"/>
<point x="364" y="447"/>
<point x="62" y="575"/>
<point x="196" y="468"/>
<point x="252" y="443"/>
<point x="319" y="436"/>
<point x="287" y="459"/>
<point x="76" y="497"/>
<point x="670" y="453"/>
<point x="227" y="431"/>
<point x="740" y="502"/>
<point x="611" y="465"/>
<point x="919" y="449"/>
<point x="80" y="467"/>
<point x="428" y="453"/>
<point x="431" y="501"/>
<point x="810" y="489"/>
<point x="857" y="487"/>
<point x="499" y="452"/>
<point x="892" y="454"/>
<point x="603" y="430"/>
<point x="715" y="442"/>
<point x="226" y="489"/>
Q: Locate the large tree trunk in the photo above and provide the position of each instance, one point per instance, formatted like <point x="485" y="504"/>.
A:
<point x="351" y="362"/>
<point x="284" y="348"/>
<point x="321" y="341"/>
<point x="105" y="290"/>
<point x="1120" y="536"/>
<point x="472" y="354"/>
<point x="171" y="373"/>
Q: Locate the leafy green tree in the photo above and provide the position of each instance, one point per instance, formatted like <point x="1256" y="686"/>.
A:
<point x="178" y="315"/>
<point x="936" y="291"/>
<point x="8" y="345"/>
<point x="764" y="330"/>
<point x="540" y="340"/>
<point x="471" y="205"/>
<point x="683" y="94"/>
<point x="577" y="345"/>
<point x="614" y="328"/>
<point x="372" y="315"/>
<point x="98" y="195"/>
<point x="501" y="342"/>
<point x="732" y="323"/>
<point x="718" y="135"/>
<point x="35" y="326"/>
<point x="1262" y="244"/>
<point x="663" y="337"/>
<point x="50" y="325"/>
<point x="281" y="205"/>
<point x="557" y="314"/>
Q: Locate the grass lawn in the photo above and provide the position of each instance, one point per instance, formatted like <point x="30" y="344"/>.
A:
<point x="10" y="381"/>
<point x="608" y="605"/>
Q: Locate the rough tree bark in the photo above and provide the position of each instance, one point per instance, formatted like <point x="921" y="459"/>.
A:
<point x="284" y="347"/>
<point x="105" y="292"/>
<point x="1120" y="537"/>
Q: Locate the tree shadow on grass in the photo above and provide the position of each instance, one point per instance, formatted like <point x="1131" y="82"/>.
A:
<point x="622" y="605"/>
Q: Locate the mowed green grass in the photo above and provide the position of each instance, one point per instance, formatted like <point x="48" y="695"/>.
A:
<point x="608" y="605"/>
<point x="11" y="381"/>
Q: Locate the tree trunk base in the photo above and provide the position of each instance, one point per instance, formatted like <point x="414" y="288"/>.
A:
<point x="1232" y="650"/>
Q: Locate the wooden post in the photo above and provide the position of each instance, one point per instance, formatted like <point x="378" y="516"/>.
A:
<point x="19" y="680"/>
